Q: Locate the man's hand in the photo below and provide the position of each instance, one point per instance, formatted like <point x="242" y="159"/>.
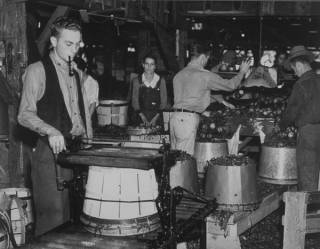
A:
<point x="244" y="67"/>
<point x="57" y="143"/>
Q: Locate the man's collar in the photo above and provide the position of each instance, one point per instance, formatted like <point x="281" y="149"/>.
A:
<point x="57" y="60"/>
<point x="306" y="75"/>
<point x="195" y="65"/>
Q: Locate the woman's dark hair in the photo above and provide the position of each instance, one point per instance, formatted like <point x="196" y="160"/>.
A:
<point x="198" y="49"/>
<point x="151" y="56"/>
<point x="64" y="22"/>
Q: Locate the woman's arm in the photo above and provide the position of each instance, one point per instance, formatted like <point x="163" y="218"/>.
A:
<point x="163" y="94"/>
<point x="135" y="95"/>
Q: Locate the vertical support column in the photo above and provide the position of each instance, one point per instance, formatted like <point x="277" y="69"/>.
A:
<point x="13" y="33"/>
<point x="294" y="219"/>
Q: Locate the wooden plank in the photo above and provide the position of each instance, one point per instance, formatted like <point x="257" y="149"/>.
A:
<point x="121" y="152"/>
<point x="104" y="161"/>
<point x="78" y="238"/>
<point x="267" y="206"/>
<point x="13" y="34"/>
<point x="313" y="223"/>
<point x="4" y="176"/>
<point x="45" y="35"/>
<point x="294" y="221"/>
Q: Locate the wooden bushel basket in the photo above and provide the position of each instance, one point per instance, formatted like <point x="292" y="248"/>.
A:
<point x="112" y="112"/>
<point x="120" y="201"/>
<point x="20" y="213"/>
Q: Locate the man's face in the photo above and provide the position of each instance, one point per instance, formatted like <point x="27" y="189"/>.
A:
<point x="281" y="59"/>
<point x="67" y="43"/>
<point x="297" y="67"/>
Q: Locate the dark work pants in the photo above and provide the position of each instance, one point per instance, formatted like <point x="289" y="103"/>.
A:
<point x="308" y="157"/>
<point x="51" y="206"/>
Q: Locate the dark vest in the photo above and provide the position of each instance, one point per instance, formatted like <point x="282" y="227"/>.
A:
<point x="51" y="107"/>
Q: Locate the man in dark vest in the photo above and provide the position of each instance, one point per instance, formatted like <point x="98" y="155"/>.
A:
<point x="54" y="105"/>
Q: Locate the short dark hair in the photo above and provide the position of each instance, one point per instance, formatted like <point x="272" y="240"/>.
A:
<point x="64" y="22"/>
<point x="151" y="56"/>
<point x="302" y="58"/>
<point x="198" y="49"/>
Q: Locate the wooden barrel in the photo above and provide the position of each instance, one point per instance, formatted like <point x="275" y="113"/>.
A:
<point x="20" y="213"/>
<point x="112" y="112"/>
<point x="233" y="186"/>
<point x="184" y="174"/>
<point x="120" y="201"/>
<point x="278" y="165"/>
<point x="205" y="151"/>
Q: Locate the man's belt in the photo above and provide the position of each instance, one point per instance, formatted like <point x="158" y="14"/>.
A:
<point x="184" y="110"/>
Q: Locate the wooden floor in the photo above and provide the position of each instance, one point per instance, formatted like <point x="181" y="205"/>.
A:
<point x="74" y="237"/>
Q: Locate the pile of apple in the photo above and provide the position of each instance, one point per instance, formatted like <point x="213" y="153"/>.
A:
<point x="212" y="128"/>
<point x="230" y="160"/>
<point x="178" y="155"/>
<point x="286" y="138"/>
<point x="223" y="122"/>
<point x="112" y="131"/>
<point x="267" y="107"/>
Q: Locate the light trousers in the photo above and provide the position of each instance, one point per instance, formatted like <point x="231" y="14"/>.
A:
<point x="183" y="131"/>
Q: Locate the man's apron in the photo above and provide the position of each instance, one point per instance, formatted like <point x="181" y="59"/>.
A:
<point x="52" y="207"/>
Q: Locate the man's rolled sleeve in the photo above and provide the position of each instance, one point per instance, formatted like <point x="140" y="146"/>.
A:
<point x="215" y="82"/>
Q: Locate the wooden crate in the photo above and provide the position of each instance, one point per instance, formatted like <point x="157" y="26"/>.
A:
<point x="297" y="219"/>
<point x="227" y="236"/>
<point x="150" y="138"/>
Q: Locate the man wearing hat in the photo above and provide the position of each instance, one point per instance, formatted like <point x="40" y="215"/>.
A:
<point x="303" y="110"/>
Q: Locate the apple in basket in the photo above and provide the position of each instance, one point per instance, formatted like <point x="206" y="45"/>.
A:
<point x="212" y="126"/>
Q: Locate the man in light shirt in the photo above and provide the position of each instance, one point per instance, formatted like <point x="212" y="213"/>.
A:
<point x="192" y="95"/>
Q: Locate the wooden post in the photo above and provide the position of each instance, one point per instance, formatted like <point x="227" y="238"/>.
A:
<point x="13" y="33"/>
<point x="294" y="221"/>
<point x="44" y="36"/>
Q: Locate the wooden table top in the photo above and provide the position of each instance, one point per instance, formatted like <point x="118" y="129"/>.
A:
<point x="140" y="158"/>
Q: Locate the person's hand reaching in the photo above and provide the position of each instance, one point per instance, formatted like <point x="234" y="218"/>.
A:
<point x="245" y="65"/>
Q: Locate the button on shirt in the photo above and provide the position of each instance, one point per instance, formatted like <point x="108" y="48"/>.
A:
<point x="192" y="87"/>
<point x="34" y="87"/>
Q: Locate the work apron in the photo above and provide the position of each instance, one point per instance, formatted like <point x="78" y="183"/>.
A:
<point x="52" y="207"/>
<point x="308" y="157"/>
<point x="149" y="100"/>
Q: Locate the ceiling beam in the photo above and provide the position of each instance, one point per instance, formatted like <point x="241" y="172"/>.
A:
<point x="79" y="4"/>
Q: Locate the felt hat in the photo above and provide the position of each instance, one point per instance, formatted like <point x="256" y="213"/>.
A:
<point x="300" y="51"/>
